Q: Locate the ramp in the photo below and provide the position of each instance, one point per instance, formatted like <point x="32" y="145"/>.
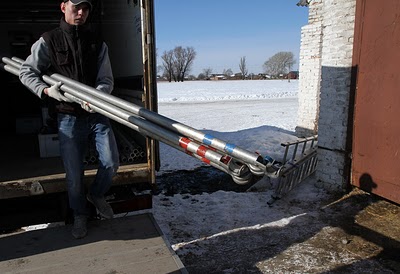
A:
<point x="131" y="244"/>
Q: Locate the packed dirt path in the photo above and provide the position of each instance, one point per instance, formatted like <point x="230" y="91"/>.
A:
<point x="325" y="232"/>
<point x="358" y="233"/>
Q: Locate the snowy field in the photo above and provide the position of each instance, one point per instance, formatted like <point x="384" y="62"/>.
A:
<point x="256" y="115"/>
<point x="209" y="91"/>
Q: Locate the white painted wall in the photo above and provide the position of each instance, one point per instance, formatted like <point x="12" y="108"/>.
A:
<point x="325" y="78"/>
<point x="310" y="72"/>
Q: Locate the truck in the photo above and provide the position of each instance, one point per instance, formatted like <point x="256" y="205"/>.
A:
<point x="31" y="173"/>
<point x="32" y="178"/>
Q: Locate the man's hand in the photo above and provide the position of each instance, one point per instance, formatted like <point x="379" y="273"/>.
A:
<point x="54" y="92"/>
<point x="85" y="106"/>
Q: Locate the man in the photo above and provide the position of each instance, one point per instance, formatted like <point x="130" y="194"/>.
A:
<point x="75" y="52"/>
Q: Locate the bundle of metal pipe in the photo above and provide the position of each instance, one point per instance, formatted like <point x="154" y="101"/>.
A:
<point x="129" y="151"/>
<point x="239" y="163"/>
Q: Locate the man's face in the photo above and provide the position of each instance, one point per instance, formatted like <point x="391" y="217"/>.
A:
<point x="75" y="14"/>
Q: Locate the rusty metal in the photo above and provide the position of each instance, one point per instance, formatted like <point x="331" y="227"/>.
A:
<point x="376" y="142"/>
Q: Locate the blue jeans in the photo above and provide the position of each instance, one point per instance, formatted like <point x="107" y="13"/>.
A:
<point x="74" y="133"/>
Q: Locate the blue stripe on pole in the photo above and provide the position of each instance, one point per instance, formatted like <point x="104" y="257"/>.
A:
<point x="208" y="139"/>
<point x="229" y="148"/>
<point x="268" y="159"/>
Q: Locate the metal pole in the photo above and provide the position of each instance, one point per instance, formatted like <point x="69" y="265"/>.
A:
<point x="166" y="122"/>
<point x="256" y="160"/>
<point x="142" y="125"/>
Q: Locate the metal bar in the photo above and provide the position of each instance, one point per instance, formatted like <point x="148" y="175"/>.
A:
<point x="285" y="155"/>
<point x="304" y="147"/>
<point x="248" y="157"/>
<point x="295" y="151"/>
<point x="172" y="125"/>
<point x="147" y="128"/>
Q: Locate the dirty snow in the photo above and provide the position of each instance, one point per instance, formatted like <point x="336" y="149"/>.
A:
<point x="307" y="231"/>
<point x="237" y="232"/>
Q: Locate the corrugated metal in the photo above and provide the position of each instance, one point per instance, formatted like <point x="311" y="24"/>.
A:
<point x="376" y="139"/>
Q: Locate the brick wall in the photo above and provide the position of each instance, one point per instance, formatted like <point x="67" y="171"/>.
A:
<point x="324" y="99"/>
<point x="310" y="72"/>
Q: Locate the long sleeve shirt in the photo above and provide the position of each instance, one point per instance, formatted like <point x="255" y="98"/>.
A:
<point x="39" y="61"/>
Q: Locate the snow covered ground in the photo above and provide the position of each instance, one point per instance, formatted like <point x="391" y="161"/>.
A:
<point x="308" y="231"/>
<point x="256" y="115"/>
<point x="237" y="232"/>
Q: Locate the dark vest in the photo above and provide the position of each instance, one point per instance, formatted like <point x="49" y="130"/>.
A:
<point x="73" y="51"/>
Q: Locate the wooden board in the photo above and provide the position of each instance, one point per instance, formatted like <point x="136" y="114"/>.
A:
<point x="131" y="244"/>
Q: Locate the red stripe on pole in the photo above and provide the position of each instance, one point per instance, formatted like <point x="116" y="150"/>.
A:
<point x="205" y="160"/>
<point x="201" y="151"/>
<point x="184" y="142"/>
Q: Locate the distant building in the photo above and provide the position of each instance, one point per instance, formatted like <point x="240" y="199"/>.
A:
<point x="293" y="75"/>
<point x="263" y="76"/>
<point x="218" y="77"/>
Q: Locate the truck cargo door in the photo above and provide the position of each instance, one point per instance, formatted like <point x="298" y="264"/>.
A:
<point x="150" y="76"/>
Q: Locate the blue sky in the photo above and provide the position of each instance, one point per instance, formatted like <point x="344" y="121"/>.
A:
<point x="223" y="31"/>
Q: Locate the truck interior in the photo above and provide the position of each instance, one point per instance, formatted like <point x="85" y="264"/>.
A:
<point x="30" y="165"/>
